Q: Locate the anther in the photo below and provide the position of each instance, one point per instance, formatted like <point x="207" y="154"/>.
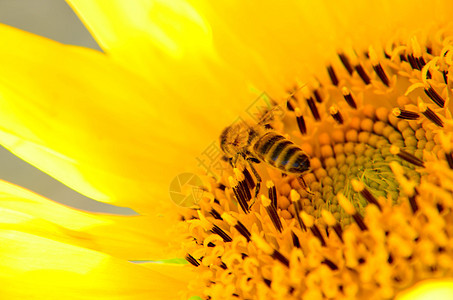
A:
<point x="330" y="264"/>
<point x="420" y="62"/>
<point x="240" y="197"/>
<point x="359" y="187"/>
<point x="330" y="221"/>
<point x="336" y="115"/>
<point x="350" y="210"/>
<point x="309" y="221"/>
<point x="272" y="212"/>
<point x="215" y="214"/>
<point x="317" y="96"/>
<point x="413" y="202"/>
<point x="296" y="241"/>
<point x="429" y="114"/>
<point x="348" y="97"/>
<point x="377" y="67"/>
<point x="314" y="110"/>
<point x="295" y="199"/>
<point x="248" y="178"/>
<point x="445" y="141"/>
<point x="345" y="61"/>
<point x="238" y="225"/>
<point x="217" y="230"/>
<point x="332" y="75"/>
<point x="395" y="150"/>
<point x="291" y="103"/>
<point x="406" y="185"/>
<point x="300" y="121"/>
<point x="405" y="114"/>
<point x="272" y="192"/>
<point x="266" y="248"/>
<point x="362" y="74"/>
<point x="445" y="75"/>
<point x="413" y="62"/>
<point x="243" y="184"/>
<point x="431" y="93"/>
<point x="192" y="260"/>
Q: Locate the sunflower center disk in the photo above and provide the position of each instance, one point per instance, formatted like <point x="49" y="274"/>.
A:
<point x="375" y="214"/>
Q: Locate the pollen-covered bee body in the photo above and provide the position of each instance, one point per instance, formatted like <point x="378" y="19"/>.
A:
<point x="257" y="142"/>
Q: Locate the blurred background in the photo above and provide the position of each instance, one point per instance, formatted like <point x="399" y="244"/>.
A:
<point x="53" y="19"/>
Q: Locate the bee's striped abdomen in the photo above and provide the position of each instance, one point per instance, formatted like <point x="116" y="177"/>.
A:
<point x="281" y="153"/>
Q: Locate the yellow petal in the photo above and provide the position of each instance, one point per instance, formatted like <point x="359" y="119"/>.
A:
<point x="274" y="44"/>
<point x="33" y="267"/>
<point x="125" y="29"/>
<point x="127" y="237"/>
<point x="96" y="127"/>
<point x="429" y="289"/>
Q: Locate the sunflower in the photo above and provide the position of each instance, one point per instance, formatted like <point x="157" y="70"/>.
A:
<point x="361" y="91"/>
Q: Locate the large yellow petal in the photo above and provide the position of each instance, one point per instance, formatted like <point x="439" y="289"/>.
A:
<point x="268" y="44"/>
<point x="127" y="237"/>
<point x="33" y="267"/>
<point x="93" y="125"/>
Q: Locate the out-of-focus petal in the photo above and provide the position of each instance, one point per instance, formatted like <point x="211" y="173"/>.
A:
<point x="429" y="289"/>
<point x="33" y="267"/>
<point x="93" y="125"/>
<point x="127" y="237"/>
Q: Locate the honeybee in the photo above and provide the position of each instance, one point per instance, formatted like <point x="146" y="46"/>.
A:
<point x="256" y="143"/>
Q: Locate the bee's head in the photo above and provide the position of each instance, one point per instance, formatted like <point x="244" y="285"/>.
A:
<point x="234" y="139"/>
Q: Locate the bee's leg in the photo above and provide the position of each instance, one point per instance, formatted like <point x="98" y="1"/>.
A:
<point x="304" y="184"/>
<point x="257" y="176"/>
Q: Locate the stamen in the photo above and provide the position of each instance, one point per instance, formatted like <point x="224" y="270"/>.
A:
<point x="291" y="103"/>
<point x="217" y="230"/>
<point x="348" y="97"/>
<point x="296" y="241"/>
<point x="335" y="113"/>
<point x="344" y="59"/>
<point x="192" y="260"/>
<point x="238" y="225"/>
<point x="300" y="121"/>
<point x="272" y="212"/>
<point x="295" y="198"/>
<point x="413" y="202"/>
<point x="445" y="140"/>
<point x="406" y="185"/>
<point x="242" y="184"/>
<point x="359" y="187"/>
<point x="377" y="67"/>
<point x="395" y="150"/>
<point x="272" y="192"/>
<point x="309" y="221"/>
<point x="445" y="75"/>
<point x="215" y="214"/>
<point x="314" y="110"/>
<point x="332" y="222"/>
<point x="413" y="62"/>
<point x="238" y="194"/>
<point x="330" y="264"/>
<point x="332" y="75"/>
<point x="350" y="210"/>
<point x="405" y="114"/>
<point x="248" y="178"/>
<point x="428" y="113"/>
<point x="317" y="96"/>
<point x="266" y="248"/>
<point x="435" y="96"/>
<point x="420" y="62"/>
<point x="362" y="74"/>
